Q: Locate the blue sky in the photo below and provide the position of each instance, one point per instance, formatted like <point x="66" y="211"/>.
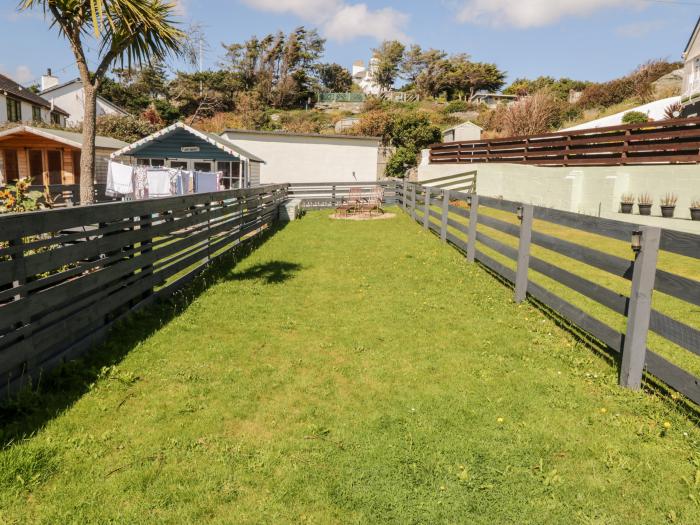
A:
<point x="582" y="39"/>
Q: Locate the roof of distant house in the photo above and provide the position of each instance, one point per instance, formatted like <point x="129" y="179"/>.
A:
<point x="693" y="35"/>
<point x="310" y="135"/>
<point x="463" y="124"/>
<point x="11" y="87"/>
<point x="80" y="82"/>
<point x="69" y="138"/>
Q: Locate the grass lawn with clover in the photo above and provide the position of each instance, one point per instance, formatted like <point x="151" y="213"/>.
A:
<point x="346" y="372"/>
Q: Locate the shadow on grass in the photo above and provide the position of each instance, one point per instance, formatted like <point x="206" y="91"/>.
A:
<point x="25" y="413"/>
<point x="274" y="272"/>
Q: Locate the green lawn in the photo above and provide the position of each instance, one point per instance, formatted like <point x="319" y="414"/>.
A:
<point x="347" y="372"/>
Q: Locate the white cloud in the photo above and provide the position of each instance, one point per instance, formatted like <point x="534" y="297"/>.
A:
<point x="22" y="74"/>
<point x="533" y="13"/>
<point x="339" y="20"/>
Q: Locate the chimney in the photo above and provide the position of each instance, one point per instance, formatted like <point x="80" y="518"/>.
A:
<point x="48" y="80"/>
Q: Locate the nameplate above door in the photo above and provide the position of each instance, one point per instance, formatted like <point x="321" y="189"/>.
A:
<point x="189" y="149"/>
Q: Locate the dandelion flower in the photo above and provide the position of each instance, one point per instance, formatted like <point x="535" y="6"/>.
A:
<point x="603" y="410"/>
<point x="500" y="420"/>
<point x="667" y="425"/>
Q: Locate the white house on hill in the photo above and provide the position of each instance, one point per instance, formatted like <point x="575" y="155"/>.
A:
<point x="364" y="76"/>
<point x="70" y="96"/>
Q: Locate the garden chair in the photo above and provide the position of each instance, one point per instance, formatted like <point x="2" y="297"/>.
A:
<point x="373" y="202"/>
<point x="350" y="203"/>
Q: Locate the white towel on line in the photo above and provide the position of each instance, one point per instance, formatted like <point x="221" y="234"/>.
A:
<point x="206" y="182"/>
<point x="119" y="179"/>
<point x="159" y="183"/>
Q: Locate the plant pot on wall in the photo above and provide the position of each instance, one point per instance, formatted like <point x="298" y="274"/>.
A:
<point x="667" y="211"/>
<point x="644" y="209"/>
<point x="626" y="207"/>
<point x="695" y="214"/>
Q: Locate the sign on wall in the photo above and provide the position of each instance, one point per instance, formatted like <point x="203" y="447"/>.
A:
<point x="189" y="149"/>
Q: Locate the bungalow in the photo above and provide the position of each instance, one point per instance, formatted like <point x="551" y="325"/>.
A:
<point x="310" y="157"/>
<point x="71" y="96"/>
<point x="492" y="100"/>
<point x="690" y="99"/>
<point x="20" y="104"/>
<point x="464" y="131"/>
<point x="180" y="146"/>
<point x="49" y="156"/>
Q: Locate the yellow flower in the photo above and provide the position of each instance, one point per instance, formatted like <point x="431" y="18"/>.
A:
<point x="603" y="410"/>
<point x="500" y="420"/>
<point x="667" y="425"/>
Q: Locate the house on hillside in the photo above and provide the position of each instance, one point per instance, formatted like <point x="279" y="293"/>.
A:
<point x="49" y="156"/>
<point x="309" y="157"/>
<point x="363" y="76"/>
<point x="180" y="146"/>
<point x="20" y="104"/>
<point x="71" y="97"/>
<point x="690" y="99"/>
<point x="492" y="100"/>
<point x="464" y="131"/>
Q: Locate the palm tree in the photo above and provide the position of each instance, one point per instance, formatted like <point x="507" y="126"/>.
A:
<point x="131" y="31"/>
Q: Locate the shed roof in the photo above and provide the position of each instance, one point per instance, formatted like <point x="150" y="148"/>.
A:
<point x="13" y="88"/>
<point x="179" y="127"/>
<point x="309" y="135"/>
<point x="65" y="137"/>
<point x="463" y="124"/>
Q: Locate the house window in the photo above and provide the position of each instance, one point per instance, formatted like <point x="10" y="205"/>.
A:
<point x="231" y="174"/>
<point x="155" y="163"/>
<point x="14" y="110"/>
<point x="36" y="114"/>
<point x="55" y="118"/>
<point x="11" y="165"/>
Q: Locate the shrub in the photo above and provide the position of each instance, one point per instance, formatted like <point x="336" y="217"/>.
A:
<point x="457" y="106"/>
<point x="374" y="123"/>
<point x="402" y="160"/>
<point x="635" y="117"/>
<point x="128" y="128"/>
<point x="531" y="115"/>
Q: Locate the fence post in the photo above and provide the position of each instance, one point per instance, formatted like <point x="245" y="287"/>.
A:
<point x="426" y="213"/>
<point x="333" y="196"/>
<point x="413" y="201"/>
<point x="403" y="196"/>
<point x="525" y="213"/>
<point x="643" y="277"/>
<point x="473" y="221"/>
<point x="445" y="212"/>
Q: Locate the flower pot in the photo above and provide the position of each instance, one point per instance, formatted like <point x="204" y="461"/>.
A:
<point x="626" y="207"/>
<point x="644" y="209"/>
<point x="695" y="214"/>
<point x="667" y="211"/>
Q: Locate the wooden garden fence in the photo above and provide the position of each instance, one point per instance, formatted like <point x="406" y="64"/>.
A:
<point x="436" y="211"/>
<point x="67" y="275"/>
<point x="663" y="142"/>
<point x="330" y="194"/>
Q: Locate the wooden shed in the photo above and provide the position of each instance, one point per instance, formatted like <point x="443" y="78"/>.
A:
<point x="49" y="156"/>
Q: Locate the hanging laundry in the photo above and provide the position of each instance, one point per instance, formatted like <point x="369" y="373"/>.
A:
<point x="158" y="183"/>
<point x="205" y="182"/>
<point x="141" y="182"/>
<point x="183" y="182"/>
<point x="119" y="180"/>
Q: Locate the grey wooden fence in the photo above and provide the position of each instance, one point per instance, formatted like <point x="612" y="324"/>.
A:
<point x="67" y="275"/>
<point x="329" y="194"/>
<point x="425" y="204"/>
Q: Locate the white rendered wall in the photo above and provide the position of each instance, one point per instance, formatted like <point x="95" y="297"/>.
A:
<point x="588" y="190"/>
<point x="294" y="158"/>
<point x="71" y="99"/>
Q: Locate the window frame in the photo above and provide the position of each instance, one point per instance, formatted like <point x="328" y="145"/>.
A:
<point x="14" y="109"/>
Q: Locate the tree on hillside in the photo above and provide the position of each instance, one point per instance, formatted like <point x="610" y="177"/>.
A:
<point x="201" y="94"/>
<point x="125" y="30"/>
<point x="279" y="67"/>
<point x="334" y="78"/>
<point x="389" y="56"/>
<point x="416" y="60"/>
<point x="466" y="78"/>
<point x="561" y="87"/>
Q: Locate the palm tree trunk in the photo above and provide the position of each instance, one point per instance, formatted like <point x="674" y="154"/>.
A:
<point x="87" y="157"/>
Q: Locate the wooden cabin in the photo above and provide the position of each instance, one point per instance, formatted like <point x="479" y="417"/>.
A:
<point x="49" y="156"/>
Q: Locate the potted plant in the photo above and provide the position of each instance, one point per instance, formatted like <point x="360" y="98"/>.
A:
<point x="644" y="201"/>
<point x="695" y="209"/>
<point x="668" y="204"/>
<point x="627" y="202"/>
